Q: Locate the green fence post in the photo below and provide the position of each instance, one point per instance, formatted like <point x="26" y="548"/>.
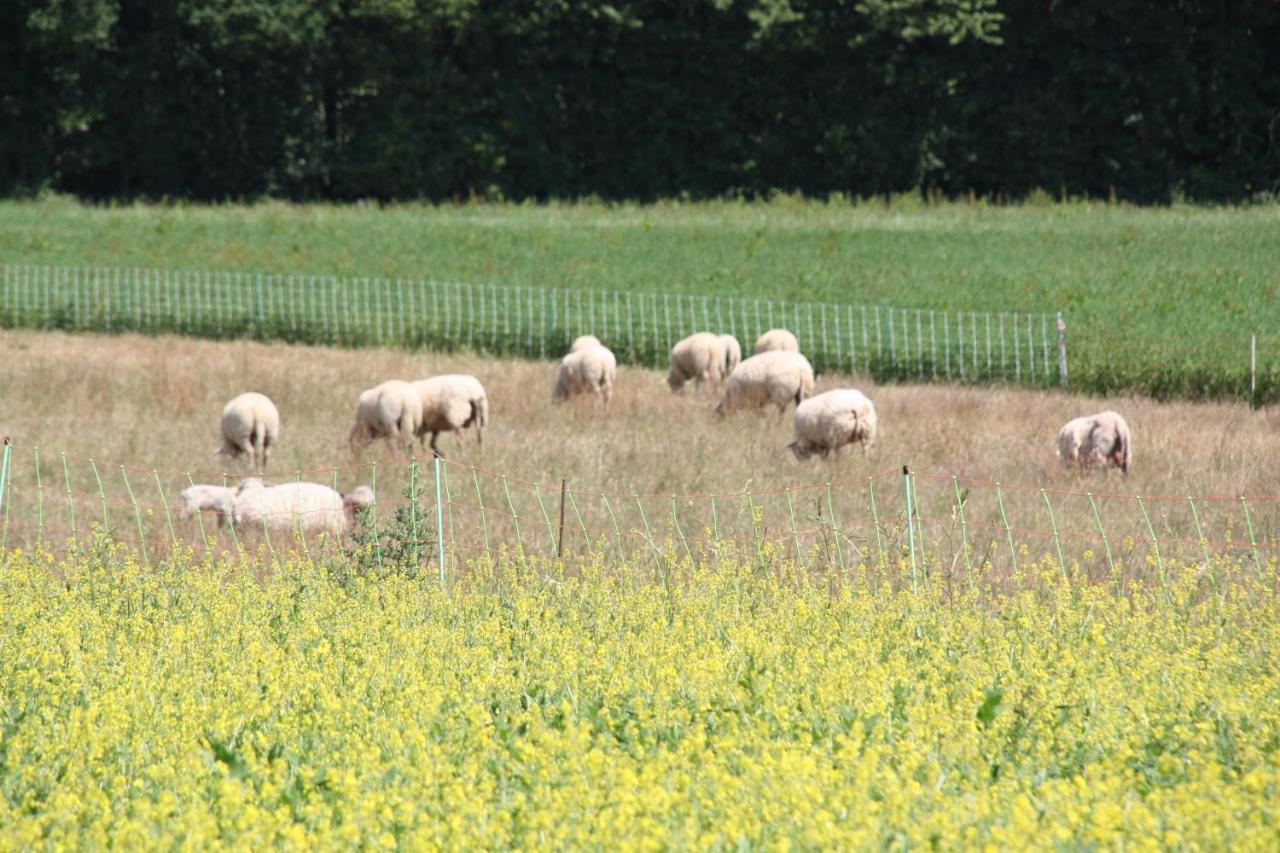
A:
<point x="413" y="512"/>
<point x="439" y="520"/>
<point x="835" y="529"/>
<point x="1253" y="542"/>
<point x="1008" y="532"/>
<point x="102" y="496"/>
<point x="964" y="530"/>
<point x="617" y="531"/>
<point x="795" y="535"/>
<point x="586" y="537"/>
<point x="1106" y="544"/>
<point x="71" y="504"/>
<point x="515" y="518"/>
<point x="1155" y="544"/>
<point x="39" y="503"/>
<point x="484" y="524"/>
<point x="173" y="534"/>
<point x="204" y="537"/>
<point x="551" y="528"/>
<point x="373" y="514"/>
<point x="5" y="497"/>
<point x="1062" y="566"/>
<point x="875" y="519"/>
<point x="1204" y="546"/>
<point x="676" y="521"/>
<point x="137" y="514"/>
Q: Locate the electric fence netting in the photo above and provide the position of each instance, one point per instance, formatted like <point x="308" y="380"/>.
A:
<point x="913" y="528"/>
<point x="536" y="322"/>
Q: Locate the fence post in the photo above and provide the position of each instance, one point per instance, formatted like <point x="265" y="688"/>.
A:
<point x="1253" y="371"/>
<point x="1253" y="542"/>
<point x="204" y="537"/>
<point x="413" y="511"/>
<point x="675" y="519"/>
<point x="1106" y="544"/>
<point x="964" y="528"/>
<point x="875" y="518"/>
<point x="564" y="488"/>
<point x="577" y="513"/>
<point x="1204" y="546"/>
<point x="71" y="504"/>
<point x="4" y="486"/>
<point x="1053" y="523"/>
<point x="40" y="503"/>
<point x="795" y="534"/>
<point x="911" y="534"/>
<point x="835" y="528"/>
<point x="484" y="523"/>
<point x="173" y="535"/>
<point x="1155" y="543"/>
<point x="1062" y="351"/>
<point x="137" y="514"/>
<point x="515" y="518"/>
<point x="1008" y="532"/>
<point x="439" y="519"/>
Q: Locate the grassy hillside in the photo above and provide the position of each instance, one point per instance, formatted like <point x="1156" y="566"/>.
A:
<point x="1160" y="300"/>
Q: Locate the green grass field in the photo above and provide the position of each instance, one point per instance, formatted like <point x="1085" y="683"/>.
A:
<point x="1157" y="300"/>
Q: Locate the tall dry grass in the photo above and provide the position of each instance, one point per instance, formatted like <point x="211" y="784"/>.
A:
<point x="153" y="403"/>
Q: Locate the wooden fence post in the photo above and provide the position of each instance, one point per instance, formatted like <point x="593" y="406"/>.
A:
<point x="1062" y="352"/>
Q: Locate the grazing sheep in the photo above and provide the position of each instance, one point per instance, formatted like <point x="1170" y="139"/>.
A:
<point x="391" y="411"/>
<point x="195" y="499"/>
<point x="699" y="357"/>
<point x="592" y="370"/>
<point x="585" y="342"/>
<point x="732" y="353"/>
<point x="250" y="425"/>
<point x="826" y="422"/>
<point x="308" y="507"/>
<point x="451" y="403"/>
<point x="1099" y="439"/>
<point x="771" y="377"/>
<point x="777" y="340"/>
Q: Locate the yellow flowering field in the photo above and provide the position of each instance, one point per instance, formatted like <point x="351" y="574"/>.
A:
<point x="308" y="705"/>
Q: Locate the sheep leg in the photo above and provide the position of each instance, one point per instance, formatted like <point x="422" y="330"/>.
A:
<point x="435" y="450"/>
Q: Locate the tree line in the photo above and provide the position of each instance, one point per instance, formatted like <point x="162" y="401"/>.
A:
<point x="1143" y="100"/>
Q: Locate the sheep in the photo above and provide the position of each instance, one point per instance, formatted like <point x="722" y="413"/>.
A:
<point x="585" y="342"/>
<point x="250" y="425"/>
<point x="1099" y="439"/>
<point x="771" y="377"/>
<point x="593" y="370"/>
<point x="826" y="422"/>
<point x="777" y="340"/>
<point x="699" y="357"/>
<point x="197" y="498"/>
<point x="391" y="411"/>
<point x="307" y="507"/>
<point x="451" y="402"/>
<point x="732" y="353"/>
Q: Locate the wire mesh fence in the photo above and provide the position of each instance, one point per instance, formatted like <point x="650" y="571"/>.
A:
<point x="911" y="526"/>
<point x="540" y="322"/>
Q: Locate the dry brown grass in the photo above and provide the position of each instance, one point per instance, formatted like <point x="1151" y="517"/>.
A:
<point x="153" y="403"/>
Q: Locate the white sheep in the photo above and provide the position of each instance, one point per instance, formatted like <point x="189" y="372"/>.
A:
<point x="592" y="370"/>
<point x="732" y="353"/>
<point x="700" y="358"/>
<point x="777" y="340"/>
<point x="308" y="507"/>
<point x="584" y="342"/>
<point x="1099" y="439"/>
<point x="451" y="402"/>
<point x="250" y="425"/>
<point x="826" y="422"/>
<point x="391" y="411"/>
<point x="197" y="498"/>
<point x="774" y="377"/>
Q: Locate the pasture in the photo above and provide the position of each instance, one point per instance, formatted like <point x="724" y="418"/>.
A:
<point x="1160" y="301"/>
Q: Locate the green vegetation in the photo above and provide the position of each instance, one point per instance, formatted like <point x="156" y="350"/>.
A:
<point x="1158" y="300"/>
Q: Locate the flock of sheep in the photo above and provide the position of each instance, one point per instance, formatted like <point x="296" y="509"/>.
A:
<point x="398" y="412"/>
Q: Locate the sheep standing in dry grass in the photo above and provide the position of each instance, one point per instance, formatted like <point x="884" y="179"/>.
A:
<point x="732" y="353"/>
<point x="250" y="426"/>
<point x="1101" y="439"/>
<point x="451" y="402"/>
<point x="826" y="422"/>
<point x="584" y="342"/>
<point x="777" y="378"/>
<point x="593" y="370"/>
<point x="200" y="497"/>
<point x="698" y="358"/>
<point x="305" y="507"/>
<point x="777" y="340"/>
<point x="391" y="411"/>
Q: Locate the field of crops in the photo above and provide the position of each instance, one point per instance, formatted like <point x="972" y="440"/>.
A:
<point x="535" y="706"/>
<point x="1159" y="301"/>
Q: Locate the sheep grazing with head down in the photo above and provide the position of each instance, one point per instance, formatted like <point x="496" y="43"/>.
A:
<point x="777" y="378"/>
<point x="732" y="353"/>
<point x="592" y="370"/>
<point x="305" y="507"/>
<point x="584" y="342"/>
<point x="391" y="411"/>
<point x="1101" y="439"/>
<point x="250" y="426"/>
<point x="828" y="421"/>
<point x="200" y="497"/>
<point x="698" y="358"/>
<point x="452" y="402"/>
<point x="777" y="340"/>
